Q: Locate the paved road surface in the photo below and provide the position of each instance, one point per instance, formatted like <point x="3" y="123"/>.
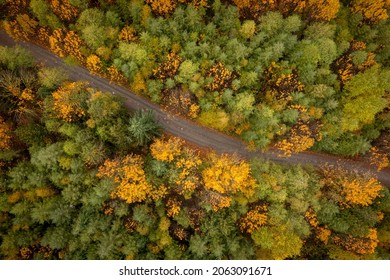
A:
<point x="190" y="131"/>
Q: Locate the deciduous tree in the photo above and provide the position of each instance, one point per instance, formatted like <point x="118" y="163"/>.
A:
<point x="129" y="176"/>
<point x="373" y="11"/>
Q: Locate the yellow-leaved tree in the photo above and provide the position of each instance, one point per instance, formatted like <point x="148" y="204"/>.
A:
<point x="162" y="7"/>
<point x="184" y="160"/>
<point x="94" y="64"/>
<point x="254" y="219"/>
<point x="301" y="138"/>
<point x="373" y="11"/>
<point x="228" y="175"/>
<point x="67" y="101"/>
<point x="350" y="190"/>
<point x="166" y="150"/>
<point x="64" y="9"/>
<point x="129" y="175"/>
<point x="321" y="10"/>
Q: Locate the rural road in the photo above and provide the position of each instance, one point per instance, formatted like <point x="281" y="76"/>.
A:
<point x="190" y="131"/>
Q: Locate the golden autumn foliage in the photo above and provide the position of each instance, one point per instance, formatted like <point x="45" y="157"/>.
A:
<point x="173" y="207"/>
<point x="130" y="224"/>
<point x="301" y="138"/>
<point x="218" y="201"/>
<point x="360" y="193"/>
<point x="73" y="44"/>
<point x="15" y="7"/>
<point x="166" y="150"/>
<point x="254" y="219"/>
<point x="5" y="135"/>
<point x="25" y="253"/>
<point x="346" y="68"/>
<point x="253" y="8"/>
<point x="43" y="35"/>
<point x="15" y="30"/>
<point x="128" y="34"/>
<point x="181" y="102"/>
<point x="373" y="11"/>
<point x="15" y="197"/>
<point x="222" y="77"/>
<point x="64" y="10"/>
<point x="321" y="232"/>
<point x="321" y="10"/>
<point x="361" y="246"/>
<point x="159" y="192"/>
<point x="228" y="175"/>
<point x="350" y="190"/>
<point x="94" y="64"/>
<point x="28" y="24"/>
<point x="65" y="43"/>
<point x="129" y="176"/>
<point x="32" y="195"/>
<point x="279" y="85"/>
<point x="186" y="162"/>
<point x="179" y="233"/>
<point x="168" y="68"/>
<point x="312" y="9"/>
<point x="115" y="75"/>
<point x="188" y="180"/>
<point x="162" y="7"/>
<point x="44" y="192"/>
<point x="285" y="85"/>
<point x="56" y="42"/>
<point x="65" y="101"/>
<point x="378" y="158"/>
<point x="139" y="84"/>
<point x="107" y="209"/>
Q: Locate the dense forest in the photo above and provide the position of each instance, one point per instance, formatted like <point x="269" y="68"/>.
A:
<point x="292" y="74"/>
<point x="82" y="178"/>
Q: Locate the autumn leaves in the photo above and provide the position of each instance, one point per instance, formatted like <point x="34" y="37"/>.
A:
<point x="216" y="180"/>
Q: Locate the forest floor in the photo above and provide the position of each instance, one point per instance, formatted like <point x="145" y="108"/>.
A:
<point x="192" y="132"/>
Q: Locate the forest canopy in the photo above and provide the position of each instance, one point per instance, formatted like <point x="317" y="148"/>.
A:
<point x="291" y="75"/>
<point x="83" y="178"/>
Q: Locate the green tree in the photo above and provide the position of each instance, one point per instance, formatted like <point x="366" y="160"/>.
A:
<point x="363" y="98"/>
<point x="16" y="57"/>
<point x="52" y="77"/>
<point x="143" y="127"/>
<point x="41" y="9"/>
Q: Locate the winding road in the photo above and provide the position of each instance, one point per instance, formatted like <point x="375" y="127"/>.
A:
<point x="190" y="131"/>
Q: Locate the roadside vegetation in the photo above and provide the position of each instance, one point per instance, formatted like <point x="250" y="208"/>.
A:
<point x="292" y="75"/>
